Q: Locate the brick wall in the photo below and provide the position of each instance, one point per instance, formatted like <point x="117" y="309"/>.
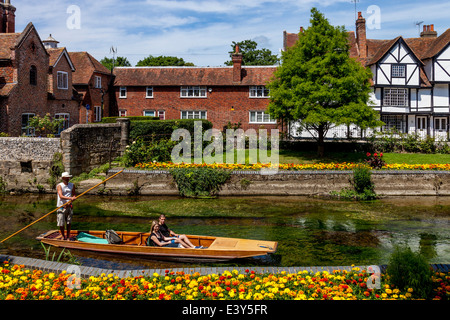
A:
<point x="93" y="97"/>
<point x="62" y="100"/>
<point x="25" y="97"/>
<point x="218" y="104"/>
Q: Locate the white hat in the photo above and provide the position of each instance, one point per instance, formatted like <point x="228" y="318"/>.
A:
<point x="66" y="175"/>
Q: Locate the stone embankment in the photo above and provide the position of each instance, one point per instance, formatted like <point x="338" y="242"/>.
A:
<point x="283" y="183"/>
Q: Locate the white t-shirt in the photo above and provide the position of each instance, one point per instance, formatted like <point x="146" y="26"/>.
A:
<point x="66" y="192"/>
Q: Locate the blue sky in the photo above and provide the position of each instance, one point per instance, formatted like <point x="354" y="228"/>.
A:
<point x="201" y="31"/>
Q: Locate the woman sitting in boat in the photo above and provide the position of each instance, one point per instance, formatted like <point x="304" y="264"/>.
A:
<point x="156" y="239"/>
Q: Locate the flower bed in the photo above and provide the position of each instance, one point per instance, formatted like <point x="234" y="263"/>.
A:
<point x="18" y="283"/>
<point x="291" y="166"/>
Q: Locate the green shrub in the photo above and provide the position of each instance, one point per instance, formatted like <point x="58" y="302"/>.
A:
<point x="362" y="180"/>
<point x="407" y="269"/>
<point x="199" y="182"/>
<point x="163" y="129"/>
<point x="141" y="151"/>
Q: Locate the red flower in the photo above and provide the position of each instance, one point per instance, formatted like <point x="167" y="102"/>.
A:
<point x="368" y="154"/>
<point x="381" y="154"/>
<point x="375" y="154"/>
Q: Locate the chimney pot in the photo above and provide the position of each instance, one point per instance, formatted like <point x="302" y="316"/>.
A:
<point x="359" y="15"/>
<point x="432" y="27"/>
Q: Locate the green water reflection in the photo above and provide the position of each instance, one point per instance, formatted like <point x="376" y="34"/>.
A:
<point x="309" y="231"/>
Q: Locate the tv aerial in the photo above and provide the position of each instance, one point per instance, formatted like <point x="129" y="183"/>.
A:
<point x="418" y="23"/>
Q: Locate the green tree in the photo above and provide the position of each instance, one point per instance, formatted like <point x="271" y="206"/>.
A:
<point x="163" y="61"/>
<point x="120" y="62"/>
<point x="319" y="84"/>
<point x="251" y="55"/>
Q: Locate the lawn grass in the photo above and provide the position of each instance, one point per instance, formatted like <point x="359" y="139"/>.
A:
<point x="299" y="157"/>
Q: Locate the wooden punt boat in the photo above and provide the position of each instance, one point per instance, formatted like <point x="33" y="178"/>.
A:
<point x="134" y="244"/>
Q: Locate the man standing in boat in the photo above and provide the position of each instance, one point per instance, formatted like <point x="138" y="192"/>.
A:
<point x="66" y="192"/>
<point x="166" y="232"/>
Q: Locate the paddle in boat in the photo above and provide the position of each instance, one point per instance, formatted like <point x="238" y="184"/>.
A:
<point x="134" y="244"/>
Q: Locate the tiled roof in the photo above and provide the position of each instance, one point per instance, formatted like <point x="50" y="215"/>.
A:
<point x="7" y="41"/>
<point x="5" y="89"/>
<point x="85" y="66"/>
<point x="54" y="55"/>
<point x="200" y="76"/>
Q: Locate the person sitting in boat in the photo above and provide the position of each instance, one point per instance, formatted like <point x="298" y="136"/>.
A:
<point x="156" y="239"/>
<point x="165" y="231"/>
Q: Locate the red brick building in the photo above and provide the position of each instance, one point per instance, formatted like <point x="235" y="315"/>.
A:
<point x="221" y="95"/>
<point x="92" y="80"/>
<point x="35" y="77"/>
<point x="63" y="101"/>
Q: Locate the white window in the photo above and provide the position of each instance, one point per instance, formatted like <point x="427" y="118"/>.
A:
<point x="398" y="70"/>
<point x="259" y="92"/>
<point x="161" y="114"/>
<point x="149" y="113"/>
<point x="394" y="122"/>
<point x="123" y="92"/>
<point x="149" y="92"/>
<point x="193" y="92"/>
<point x="97" y="114"/>
<point x="193" y="114"/>
<point x="122" y="113"/>
<point x="65" y="123"/>
<point x="98" y="82"/>
<point x="261" y="117"/>
<point x="26" y="117"/>
<point x="440" y="124"/>
<point x="395" y="97"/>
<point x="63" y="80"/>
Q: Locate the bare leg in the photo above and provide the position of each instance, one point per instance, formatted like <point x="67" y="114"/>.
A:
<point x="61" y="231"/>
<point x="186" y="241"/>
<point x="68" y="231"/>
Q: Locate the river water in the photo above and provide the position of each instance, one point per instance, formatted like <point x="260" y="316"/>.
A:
<point x="309" y="231"/>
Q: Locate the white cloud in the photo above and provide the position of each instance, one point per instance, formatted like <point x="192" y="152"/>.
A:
<point x="201" y="31"/>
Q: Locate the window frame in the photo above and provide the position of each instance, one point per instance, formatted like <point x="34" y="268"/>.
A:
<point x="147" y="96"/>
<point x="122" y="115"/>
<point x="262" y="114"/>
<point x="190" y="114"/>
<point x="189" y="92"/>
<point x="97" y="113"/>
<point x="392" y="99"/>
<point x="121" y="89"/>
<point x="66" y="122"/>
<point x="62" y="76"/>
<point x="145" y="115"/>
<point x="33" y="75"/>
<point x="29" y="132"/>
<point x="259" y="92"/>
<point x="98" y="82"/>
<point x="395" y="74"/>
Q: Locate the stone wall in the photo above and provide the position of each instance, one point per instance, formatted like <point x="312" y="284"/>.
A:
<point x="401" y="183"/>
<point x="86" y="146"/>
<point x="25" y="162"/>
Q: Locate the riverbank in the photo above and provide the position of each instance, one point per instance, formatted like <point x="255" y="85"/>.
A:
<point x="280" y="183"/>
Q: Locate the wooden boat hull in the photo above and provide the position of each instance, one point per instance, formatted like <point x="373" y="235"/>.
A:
<point x="217" y="248"/>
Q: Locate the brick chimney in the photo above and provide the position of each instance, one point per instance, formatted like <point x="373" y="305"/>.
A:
<point x="7" y="17"/>
<point x="237" y="65"/>
<point x="428" y="31"/>
<point x="361" y="36"/>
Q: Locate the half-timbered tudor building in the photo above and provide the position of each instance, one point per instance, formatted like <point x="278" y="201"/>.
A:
<point x="411" y="80"/>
